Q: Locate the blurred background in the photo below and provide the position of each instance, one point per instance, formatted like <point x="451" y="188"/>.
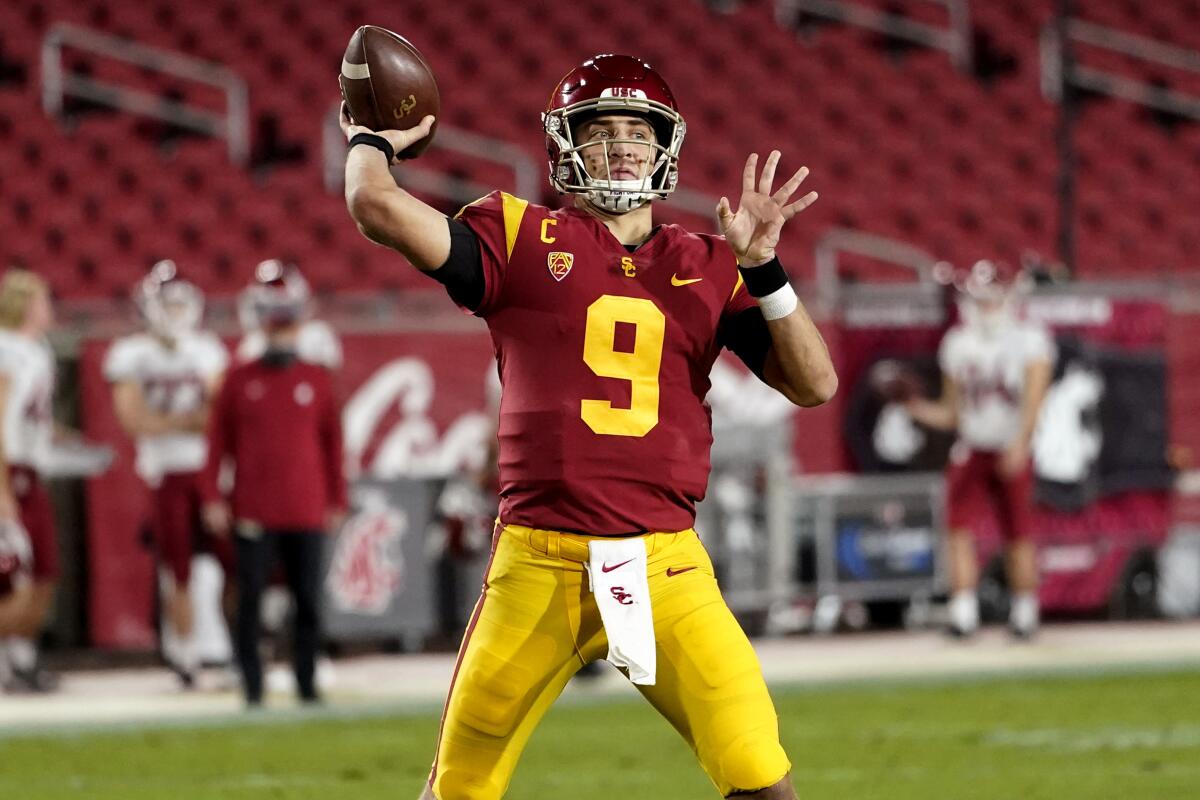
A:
<point x="1060" y="136"/>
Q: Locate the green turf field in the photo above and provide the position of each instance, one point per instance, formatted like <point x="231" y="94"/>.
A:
<point x="1129" y="737"/>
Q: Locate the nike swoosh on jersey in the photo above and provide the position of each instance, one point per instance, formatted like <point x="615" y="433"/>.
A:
<point x="672" y="572"/>
<point x="677" y="281"/>
<point x="607" y="568"/>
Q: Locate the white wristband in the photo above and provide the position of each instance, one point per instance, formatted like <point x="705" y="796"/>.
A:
<point x="779" y="303"/>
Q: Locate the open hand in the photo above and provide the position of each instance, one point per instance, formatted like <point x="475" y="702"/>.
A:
<point x="217" y="518"/>
<point x="753" y="230"/>
<point x="399" y="140"/>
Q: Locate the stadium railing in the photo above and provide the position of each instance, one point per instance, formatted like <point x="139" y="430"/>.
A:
<point x="60" y="82"/>
<point x="955" y="39"/>
<point x="836" y="241"/>
<point x="526" y="172"/>
<point x="1060" y="72"/>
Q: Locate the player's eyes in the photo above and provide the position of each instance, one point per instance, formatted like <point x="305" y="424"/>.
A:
<point x="603" y="134"/>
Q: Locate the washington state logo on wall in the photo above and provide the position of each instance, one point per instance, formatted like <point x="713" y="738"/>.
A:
<point x="368" y="568"/>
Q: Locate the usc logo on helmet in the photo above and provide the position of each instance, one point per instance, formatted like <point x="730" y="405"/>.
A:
<point x="623" y="91"/>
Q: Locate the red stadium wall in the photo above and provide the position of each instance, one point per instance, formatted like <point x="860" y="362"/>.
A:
<point x="423" y="396"/>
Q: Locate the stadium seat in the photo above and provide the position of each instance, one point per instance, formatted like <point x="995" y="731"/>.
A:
<point x="894" y="137"/>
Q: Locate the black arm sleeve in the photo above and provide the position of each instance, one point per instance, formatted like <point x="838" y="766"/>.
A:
<point x="747" y="337"/>
<point x="462" y="274"/>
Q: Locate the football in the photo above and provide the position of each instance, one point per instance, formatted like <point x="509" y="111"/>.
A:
<point x="388" y="85"/>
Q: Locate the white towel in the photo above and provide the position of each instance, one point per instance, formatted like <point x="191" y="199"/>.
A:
<point x="618" y="575"/>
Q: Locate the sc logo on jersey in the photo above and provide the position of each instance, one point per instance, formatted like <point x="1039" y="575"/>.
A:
<point x="621" y="596"/>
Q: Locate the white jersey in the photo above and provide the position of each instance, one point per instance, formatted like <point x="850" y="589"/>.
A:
<point x="173" y="380"/>
<point x="989" y="371"/>
<point x="28" y="366"/>
<point x="316" y="344"/>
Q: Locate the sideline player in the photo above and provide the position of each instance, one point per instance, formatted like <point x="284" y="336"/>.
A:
<point x="163" y="380"/>
<point x="26" y="433"/>
<point x="996" y="368"/>
<point x="606" y="327"/>
<point x="316" y="342"/>
<point x="277" y="420"/>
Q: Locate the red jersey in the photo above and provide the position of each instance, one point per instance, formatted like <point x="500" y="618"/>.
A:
<point x="280" y="426"/>
<point x="604" y="358"/>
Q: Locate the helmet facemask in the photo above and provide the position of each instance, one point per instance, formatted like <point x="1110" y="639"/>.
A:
<point x="987" y="315"/>
<point x="171" y="307"/>
<point x="569" y="172"/>
<point x="279" y="298"/>
<point x="990" y="300"/>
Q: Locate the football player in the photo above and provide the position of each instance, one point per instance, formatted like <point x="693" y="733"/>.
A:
<point x="996" y="368"/>
<point x="26" y="433"/>
<point x="316" y="342"/>
<point x="606" y="327"/>
<point x="163" y="381"/>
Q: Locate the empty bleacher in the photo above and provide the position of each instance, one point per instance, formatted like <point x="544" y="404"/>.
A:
<point x="901" y="142"/>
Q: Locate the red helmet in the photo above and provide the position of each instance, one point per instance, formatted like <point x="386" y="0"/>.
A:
<point x="171" y="306"/>
<point x="612" y="84"/>
<point x="989" y="291"/>
<point x="984" y="280"/>
<point x="277" y="297"/>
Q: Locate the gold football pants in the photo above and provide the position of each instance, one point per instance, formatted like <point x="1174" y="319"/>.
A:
<point x="536" y="623"/>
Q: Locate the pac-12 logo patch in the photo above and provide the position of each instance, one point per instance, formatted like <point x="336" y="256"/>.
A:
<point x="559" y="264"/>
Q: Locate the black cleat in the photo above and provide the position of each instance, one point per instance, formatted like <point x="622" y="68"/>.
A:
<point x="32" y="681"/>
<point x="1022" y="634"/>
<point x="187" y="677"/>
<point x="961" y="634"/>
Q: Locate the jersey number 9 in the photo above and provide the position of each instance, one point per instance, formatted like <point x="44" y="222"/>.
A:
<point x="639" y="367"/>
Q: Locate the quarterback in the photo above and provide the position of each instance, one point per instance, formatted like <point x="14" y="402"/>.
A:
<point x="605" y="327"/>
